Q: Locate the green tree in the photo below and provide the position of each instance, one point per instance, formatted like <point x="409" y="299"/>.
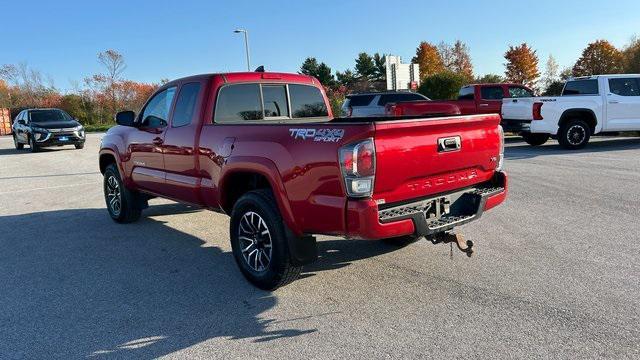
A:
<point x="321" y="71"/>
<point x="554" y="88"/>
<point x="443" y="86"/>
<point x="428" y="59"/>
<point x="380" y="73"/>
<point x="346" y="78"/>
<point x="365" y="67"/>
<point x="489" y="79"/>
<point x="599" y="57"/>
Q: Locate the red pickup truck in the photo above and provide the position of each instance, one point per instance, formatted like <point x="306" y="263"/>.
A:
<point x="265" y="149"/>
<point x="472" y="99"/>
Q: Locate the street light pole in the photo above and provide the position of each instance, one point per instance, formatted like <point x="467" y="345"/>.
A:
<point x="246" y="45"/>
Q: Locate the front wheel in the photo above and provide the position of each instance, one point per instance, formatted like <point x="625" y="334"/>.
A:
<point x="259" y="241"/>
<point x="17" y="144"/>
<point x="574" y="134"/>
<point x="80" y="146"/>
<point x="535" y="139"/>
<point x="123" y="204"/>
<point x="33" y="147"/>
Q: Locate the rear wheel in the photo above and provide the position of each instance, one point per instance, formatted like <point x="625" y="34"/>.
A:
<point x="80" y="146"/>
<point x="16" y="143"/>
<point x="259" y="241"/>
<point x="535" y="139"/>
<point x="123" y="204"/>
<point x="574" y="134"/>
<point x="33" y="147"/>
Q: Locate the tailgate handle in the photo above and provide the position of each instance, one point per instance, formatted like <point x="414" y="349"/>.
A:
<point x="449" y="144"/>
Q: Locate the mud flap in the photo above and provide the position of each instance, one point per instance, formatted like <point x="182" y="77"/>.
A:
<point x="302" y="250"/>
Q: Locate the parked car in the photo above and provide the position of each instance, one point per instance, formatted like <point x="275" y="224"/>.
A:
<point x="600" y="104"/>
<point x="372" y="104"/>
<point x="46" y="127"/>
<point x="472" y="99"/>
<point x="265" y="149"/>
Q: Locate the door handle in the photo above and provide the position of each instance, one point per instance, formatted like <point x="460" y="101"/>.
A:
<point x="614" y="102"/>
<point x="158" y="141"/>
<point x="484" y="105"/>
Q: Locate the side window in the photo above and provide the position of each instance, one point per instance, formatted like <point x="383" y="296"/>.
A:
<point x="275" y="101"/>
<point x="186" y="104"/>
<point x="156" y="112"/>
<point x="394" y="98"/>
<point x="466" y="93"/>
<point x="581" y="87"/>
<point x="624" y="86"/>
<point x="238" y="102"/>
<point x="491" y="93"/>
<point x="307" y="101"/>
<point x="518" y="92"/>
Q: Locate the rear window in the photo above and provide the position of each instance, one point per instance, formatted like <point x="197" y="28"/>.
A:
<point x="307" y="102"/>
<point x="491" y="93"/>
<point x="275" y="101"/>
<point x="518" y="92"/>
<point x="360" y="100"/>
<point x="581" y="87"/>
<point x="239" y="102"/>
<point x="394" y="98"/>
<point x="466" y="93"/>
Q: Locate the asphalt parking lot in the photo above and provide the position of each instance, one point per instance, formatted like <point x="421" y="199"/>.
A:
<point x="556" y="273"/>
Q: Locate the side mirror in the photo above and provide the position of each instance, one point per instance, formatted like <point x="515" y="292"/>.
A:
<point x="126" y="118"/>
<point x="22" y="122"/>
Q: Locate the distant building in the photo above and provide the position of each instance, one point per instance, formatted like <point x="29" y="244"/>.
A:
<point x="401" y="76"/>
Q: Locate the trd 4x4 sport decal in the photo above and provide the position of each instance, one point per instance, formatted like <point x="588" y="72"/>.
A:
<point x="322" y="135"/>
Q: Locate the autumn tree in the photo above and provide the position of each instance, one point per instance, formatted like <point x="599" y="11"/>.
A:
<point x="599" y="57"/>
<point x="114" y="65"/>
<point x="456" y="58"/>
<point x="522" y="65"/>
<point x="631" y="55"/>
<point x="428" y="59"/>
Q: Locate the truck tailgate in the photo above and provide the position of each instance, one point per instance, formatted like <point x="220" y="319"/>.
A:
<point x="518" y="109"/>
<point x="412" y="162"/>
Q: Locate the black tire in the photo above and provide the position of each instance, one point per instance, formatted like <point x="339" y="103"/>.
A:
<point x="80" y="146"/>
<point x="17" y="144"/>
<point x="33" y="147"/>
<point x="250" y="244"/>
<point x="129" y="209"/>
<point x="535" y="139"/>
<point x="574" y="134"/>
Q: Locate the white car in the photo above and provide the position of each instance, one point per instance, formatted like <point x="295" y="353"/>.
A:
<point x="372" y="104"/>
<point x="590" y="105"/>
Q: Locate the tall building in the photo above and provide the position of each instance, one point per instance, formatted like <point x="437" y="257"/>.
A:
<point x="401" y="76"/>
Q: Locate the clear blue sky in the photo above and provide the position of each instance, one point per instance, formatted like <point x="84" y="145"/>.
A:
<point x="170" y="39"/>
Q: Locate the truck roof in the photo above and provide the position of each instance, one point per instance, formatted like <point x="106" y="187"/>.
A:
<point x="603" y="76"/>
<point x="252" y="76"/>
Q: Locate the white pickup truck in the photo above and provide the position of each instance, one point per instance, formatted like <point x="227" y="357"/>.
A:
<point x="598" y="104"/>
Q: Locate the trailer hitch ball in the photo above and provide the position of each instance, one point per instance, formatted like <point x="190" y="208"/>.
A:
<point x="466" y="246"/>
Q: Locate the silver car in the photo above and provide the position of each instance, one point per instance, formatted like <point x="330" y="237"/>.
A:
<point x="372" y="104"/>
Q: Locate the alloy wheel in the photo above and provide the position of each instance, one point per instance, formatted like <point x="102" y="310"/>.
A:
<point x="114" y="196"/>
<point x="576" y="135"/>
<point x="255" y="241"/>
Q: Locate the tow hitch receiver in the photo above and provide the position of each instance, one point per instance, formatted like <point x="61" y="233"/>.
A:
<point x="446" y="238"/>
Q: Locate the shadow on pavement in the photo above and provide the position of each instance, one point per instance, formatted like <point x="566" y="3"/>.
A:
<point x="75" y="284"/>
<point x="526" y="151"/>
<point x="13" y="151"/>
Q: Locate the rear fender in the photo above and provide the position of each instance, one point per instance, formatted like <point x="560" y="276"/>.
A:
<point x="268" y="169"/>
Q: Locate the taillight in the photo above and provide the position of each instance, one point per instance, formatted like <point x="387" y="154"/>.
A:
<point x="537" y="111"/>
<point x="501" y="155"/>
<point x="393" y="110"/>
<point x="358" y="165"/>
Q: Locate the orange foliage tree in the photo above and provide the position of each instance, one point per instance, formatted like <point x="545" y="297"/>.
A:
<point x="522" y="65"/>
<point x="599" y="57"/>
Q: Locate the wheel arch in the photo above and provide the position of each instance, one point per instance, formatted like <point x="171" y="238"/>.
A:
<point x="586" y="115"/>
<point x="244" y="174"/>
